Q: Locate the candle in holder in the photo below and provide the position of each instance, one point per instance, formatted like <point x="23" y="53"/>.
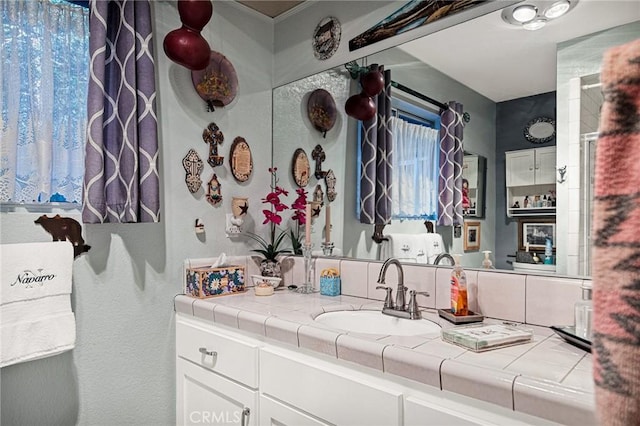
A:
<point x="327" y="224"/>
<point x="307" y="224"/>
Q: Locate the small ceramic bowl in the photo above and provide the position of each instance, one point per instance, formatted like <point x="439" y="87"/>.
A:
<point x="273" y="281"/>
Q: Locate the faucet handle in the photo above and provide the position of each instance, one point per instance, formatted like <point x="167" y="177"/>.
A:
<point x="388" y="300"/>
<point x="414" y="309"/>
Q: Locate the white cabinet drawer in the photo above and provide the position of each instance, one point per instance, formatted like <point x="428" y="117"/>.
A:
<point x="340" y="396"/>
<point x="276" y="413"/>
<point x="233" y="358"/>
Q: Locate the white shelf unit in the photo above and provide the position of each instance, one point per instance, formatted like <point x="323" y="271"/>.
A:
<point x="530" y="173"/>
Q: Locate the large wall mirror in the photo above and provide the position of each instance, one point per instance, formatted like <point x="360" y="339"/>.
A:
<point x="441" y="66"/>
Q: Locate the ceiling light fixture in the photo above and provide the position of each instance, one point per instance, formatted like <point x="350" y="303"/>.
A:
<point x="535" y="14"/>
<point x="557" y="9"/>
<point x="536" y="24"/>
<point x="524" y="13"/>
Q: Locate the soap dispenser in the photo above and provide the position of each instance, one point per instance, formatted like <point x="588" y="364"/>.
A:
<point x="486" y="263"/>
<point x="459" y="305"/>
<point x="584" y="313"/>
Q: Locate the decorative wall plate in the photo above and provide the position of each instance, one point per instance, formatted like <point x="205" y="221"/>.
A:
<point x="217" y="84"/>
<point x="321" y="110"/>
<point x="300" y="168"/>
<point x="240" y="159"/>
<point x="193" y="166"/>
<point x="214" y="137"/>
<point x="330" y="180"/>
<point x="214" y="191"/>
<point x="326" y="38"/>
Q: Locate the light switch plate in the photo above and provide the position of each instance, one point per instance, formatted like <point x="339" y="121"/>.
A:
<point x="232" y="229"/>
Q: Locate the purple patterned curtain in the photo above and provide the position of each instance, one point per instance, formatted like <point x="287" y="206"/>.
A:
<point x="375" y="162"/>
<point x="121" y="182"/>
<point x="451" y="158"/>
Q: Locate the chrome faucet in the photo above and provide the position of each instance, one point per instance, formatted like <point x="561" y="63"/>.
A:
<point x="400" y="308"/>
<point x="400" y="292"/>
<point x="444" y="256"/>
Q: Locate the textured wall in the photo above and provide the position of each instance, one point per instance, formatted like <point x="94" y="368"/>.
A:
<point x="122" y="371"/>
<point x="292" y="130"/>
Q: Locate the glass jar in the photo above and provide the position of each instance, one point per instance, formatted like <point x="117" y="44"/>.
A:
<point x="584" y="314"/>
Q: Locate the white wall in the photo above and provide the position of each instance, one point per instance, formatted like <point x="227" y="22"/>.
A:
<point x="122" y="370"/>
<point x="576" y="58"/>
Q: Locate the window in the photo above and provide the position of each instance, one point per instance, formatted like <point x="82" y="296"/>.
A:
<point x="44" y="77"/>
<point x="416" y="141"/>
<point x="416" y="148"/>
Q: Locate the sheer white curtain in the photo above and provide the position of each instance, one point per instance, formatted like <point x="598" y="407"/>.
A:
<point x="415" y="170"/>
<point x="43" y="71"/>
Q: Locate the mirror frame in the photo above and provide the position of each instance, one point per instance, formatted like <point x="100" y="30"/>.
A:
<point x="537" y="139"/>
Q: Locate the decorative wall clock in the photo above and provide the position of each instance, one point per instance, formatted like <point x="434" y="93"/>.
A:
<point x="300" y="168"/>
<point x="240" y="159"/>
<point x="193" y="166"/>
<point x="326" y="38"/>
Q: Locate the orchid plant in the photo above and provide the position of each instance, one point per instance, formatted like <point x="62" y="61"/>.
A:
<point x="299" y="217"/>
<point x="272" y="247"/>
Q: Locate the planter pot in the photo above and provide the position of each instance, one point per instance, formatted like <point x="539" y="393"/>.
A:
<point x="270" y="268"/>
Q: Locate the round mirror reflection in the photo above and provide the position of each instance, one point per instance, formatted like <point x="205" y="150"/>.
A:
<point x="540" y="130"/>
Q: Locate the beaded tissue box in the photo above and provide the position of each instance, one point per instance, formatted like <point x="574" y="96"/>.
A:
<point x="206" y="282"/>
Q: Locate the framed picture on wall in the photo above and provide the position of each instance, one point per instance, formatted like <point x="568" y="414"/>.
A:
<point x="471" y="236"/>
<point x="535" y="232"/>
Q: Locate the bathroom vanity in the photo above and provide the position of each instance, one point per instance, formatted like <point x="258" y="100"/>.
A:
<point x="252" y="360"/>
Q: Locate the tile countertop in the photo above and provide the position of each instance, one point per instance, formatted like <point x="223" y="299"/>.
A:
<point x="546" y="377"/>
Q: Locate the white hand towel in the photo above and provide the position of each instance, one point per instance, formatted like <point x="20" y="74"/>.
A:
<point x="404" y="247"/>
<point x="434" y="246"/>
<point x="36" y="319"/>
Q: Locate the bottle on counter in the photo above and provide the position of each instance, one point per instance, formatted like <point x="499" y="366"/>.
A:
<point x="459" y="303"/>
<point x="584" y="314"/>
<point x="548" y="252"/>
<point x="486" y="263"/>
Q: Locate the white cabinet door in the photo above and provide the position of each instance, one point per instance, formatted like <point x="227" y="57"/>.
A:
<point x="520" y="167"/>
<point x="204" y="397"/>
<point x="275" y="413"/>
<point x="545" y="165"/>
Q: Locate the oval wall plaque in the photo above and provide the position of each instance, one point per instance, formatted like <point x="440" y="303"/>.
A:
<point x="300" y="168"/>
<point x="240" y="159"/>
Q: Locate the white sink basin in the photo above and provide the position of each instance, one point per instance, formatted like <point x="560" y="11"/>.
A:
<point x="374" y="322"/>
